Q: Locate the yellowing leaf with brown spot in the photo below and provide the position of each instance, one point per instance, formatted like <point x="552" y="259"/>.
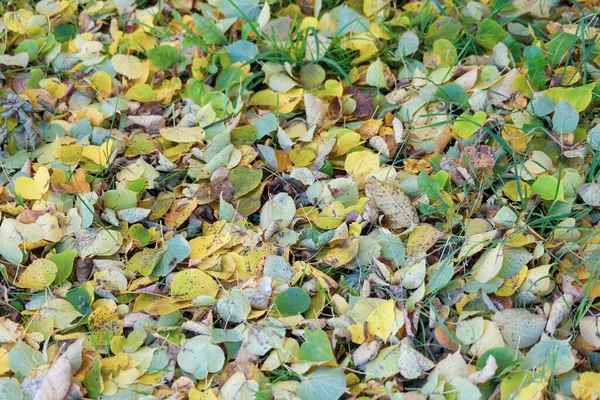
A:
<point x="392" y="201"/>
<point x="180" y="211"/>
<point x="381" y="321"/>
<point x="191" y="283"/>
<point x="358" y="333"/>
<point x="421" y="239"/>
<point x="33" y="188"/>
<point x="283" y="102"/>
<point x="203" y="246"/>
<point x="39" y="275"/>
<point x="104" y="324"/>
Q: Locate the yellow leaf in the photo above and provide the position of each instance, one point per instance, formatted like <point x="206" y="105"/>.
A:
<point x="180" y="211"/>
<point x="102" y="83"/>
<point x="358" y="333"/>
<point x="381" y="321"/>
<point x="68" y="154"/>
<point x="511" y="285"/>
<point x="208" y="394"/>
<point x="140" y="92"/>
<point x="372" y="7"/>
<point x="92" y="113"/>
<point x="56" y="89"/>
<point x="347" y="139"/>
<point x="532" y="391"/>
<point x="516" y="138"/>
<point x="340" y="255"/>
<point x="4" y="367"/>
<point x="488" y="266"/>
<point x="587" y="387"/>
<point x="361" y="163"/>
<point x="183" y="134"/>
<point x="517" y="190"/>
<point x="104" y="324"/>
<point x="140" y="40"/>
<point x="17" y="21"/>
<point x="302" y="156"/>
<point x="128" y="66"/>
<point x="33" y="188"/>
<point x="99" y="154"/>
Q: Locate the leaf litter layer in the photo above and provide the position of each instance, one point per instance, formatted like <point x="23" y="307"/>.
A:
<point x="299" y="200"/>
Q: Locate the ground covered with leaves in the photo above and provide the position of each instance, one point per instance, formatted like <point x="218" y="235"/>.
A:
<point x="299" y="200"/>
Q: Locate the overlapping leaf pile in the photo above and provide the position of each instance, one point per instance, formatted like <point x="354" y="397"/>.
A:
<point x="313" y="200"/>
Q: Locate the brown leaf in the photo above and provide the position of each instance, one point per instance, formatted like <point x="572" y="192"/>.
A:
<point x="364" y="103"/>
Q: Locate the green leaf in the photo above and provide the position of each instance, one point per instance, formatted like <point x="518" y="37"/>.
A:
<point x="23" y="359"/>
<point x="548" y="187"/>
<point x="553" y="354"/>
<point x="242" y="51"/>
<point x="11" y="252"/>
<point x="164" y="57"/>
<point x="199" y="357"/>
<point x="407" y="45"/>
<point x="316" y="348"/>
<point x="178" y="250"/>
<point x="64" y="263"/>
<point x="565" y="118"/>
<point x="350" y="21"/>
<point x="324" y="383"/>
<point x="120" y="199"/>
<point x="559" y="46"/>
<point x="135" y="339"/>
<point x="10" y="389"/>
<point x="93" y="380"/>
<point x="265" y="125"/>
<point x="292" y="302"/>
<point x="466" y="124"/>
<point x="234" y="307"/>
<point x="244" y="180"/>
<point x="519" y="327"/>
<point x="452" y="93"/>
<point x="444" y="27"/>
<point x="490" y="33"/>
<point x="515" y="258"/>
<point x="209" y="31"/>
<point x="376" y="75"/>
<point x="504" y="359"/>
<point x="61" y="311"/>
<point x="247" y="10"/>
<point x="536" y="66"/>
